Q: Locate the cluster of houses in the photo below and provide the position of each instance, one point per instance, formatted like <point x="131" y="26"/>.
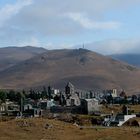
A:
<point x="68" y="101"/>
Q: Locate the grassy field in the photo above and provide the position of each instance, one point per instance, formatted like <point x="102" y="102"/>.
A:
<point x="37" y="129"/>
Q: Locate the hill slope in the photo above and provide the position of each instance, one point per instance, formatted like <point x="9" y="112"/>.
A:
<point x="10" y="56"/>
<point x="133" y="59"/>
<point x="85" y="69"/>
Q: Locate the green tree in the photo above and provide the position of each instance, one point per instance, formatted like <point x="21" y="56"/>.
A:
<point x="19" y="96"/>
<point x="3" y="96"/>
<point x="44" y="93"/>
<point x="11" y="95"/>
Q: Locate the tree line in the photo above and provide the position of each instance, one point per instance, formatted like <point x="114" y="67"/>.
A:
<point x="16" y="96"/>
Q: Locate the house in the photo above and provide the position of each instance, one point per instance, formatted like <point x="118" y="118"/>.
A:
<point x="89" y="105"/>
<point x="27" y="107"/>
<point x="30" y="111"/>
<point x="9" y="108"/>
<point x="43" y="104"/>
<point x="46" y="104"/>
<point x="112" y="92"/>
<point x="2" y="108"/>
<point x="50" y="103"/>
<point x="55" y="91"/>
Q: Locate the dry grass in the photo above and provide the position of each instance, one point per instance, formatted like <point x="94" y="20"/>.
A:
<point x="35" y="130"/>
<point x="118" y="108"/>
<point x="136" y="108"/>
<point x="109" y="108"/>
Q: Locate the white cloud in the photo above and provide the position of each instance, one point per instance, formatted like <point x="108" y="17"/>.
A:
<point x="46" y="17"/>
<point x="43" y="19"/>
<point x="9" y="10"/>
<point x="117" y="46"/>
<point x="87" y="23"/>
<point x="51" y="46"/>
<point x="30" y="42"/>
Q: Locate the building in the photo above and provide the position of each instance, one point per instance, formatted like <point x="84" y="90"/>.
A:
<point x="69" y="89"/>
<point x="112" y="92"/>
<point x="42" y="104"/>
<point x="55" y="91"/>
<point x="46" y="104"/>
<point x="30" y="111"/>
<point x="9" y="108"/>
<point x="89" y="105"/>
<point x="27" y="107"/>
<point x="73" y="100"/>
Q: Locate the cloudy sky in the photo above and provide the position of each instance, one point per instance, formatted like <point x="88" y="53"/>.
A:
<point x="105" y="26"/>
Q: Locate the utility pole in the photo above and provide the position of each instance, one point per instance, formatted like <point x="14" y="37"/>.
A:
<point x="83" y="46"/>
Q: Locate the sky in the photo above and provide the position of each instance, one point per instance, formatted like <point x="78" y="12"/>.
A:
<point x="104" y="26"/>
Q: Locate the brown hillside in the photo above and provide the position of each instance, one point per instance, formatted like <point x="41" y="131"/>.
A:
<point x="10" y="56"/>
<point x="85" y="69"/>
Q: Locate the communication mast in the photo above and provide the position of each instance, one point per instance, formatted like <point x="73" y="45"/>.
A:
<point x="83" y="46"/>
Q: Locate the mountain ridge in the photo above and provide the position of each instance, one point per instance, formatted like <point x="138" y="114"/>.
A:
<point x="10" y="56"/>
<point x="85" y="69"/>
<point x="130" y="58"/>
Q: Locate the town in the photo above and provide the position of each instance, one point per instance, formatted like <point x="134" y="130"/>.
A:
<point x="105" y="108"/>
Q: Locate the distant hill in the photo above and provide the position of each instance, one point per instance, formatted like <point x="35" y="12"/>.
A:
<point x="133" y="59"/>
<point x="10" y="56"/>
<point x="84" y="68"/>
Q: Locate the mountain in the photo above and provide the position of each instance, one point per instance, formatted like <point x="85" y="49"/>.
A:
<point x="10" y="56"/>
<point x="133" y="59"/>
<point x="84" y="68"/>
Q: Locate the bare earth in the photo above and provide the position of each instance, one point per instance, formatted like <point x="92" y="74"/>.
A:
<point x="35" y="129"/>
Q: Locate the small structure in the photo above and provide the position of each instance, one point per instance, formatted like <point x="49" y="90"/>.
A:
<point x="89" y="105"/>
<point x="55" y="91"/>
<point x="46" y="104"/>
<point x="42" y="104"/>
<point x="2" y="108"/>
<point x="50" y="104"/>
<point x="30" y="111"/>
<point x="112" y="92"/>
<point x="120" y="118"/>
<point x="9" y="108"/>
<point x="27" y="107"/>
